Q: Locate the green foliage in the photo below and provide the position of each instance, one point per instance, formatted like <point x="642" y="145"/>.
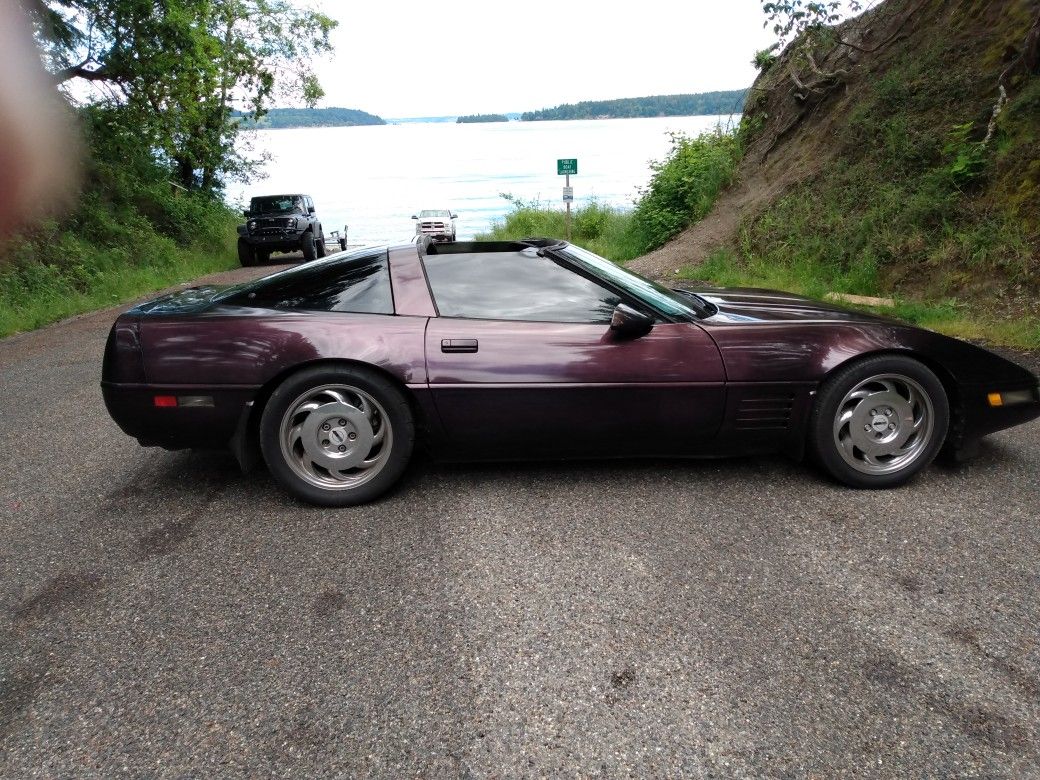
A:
<point x="310" y="117"/>
<point x="969" y="157"/>
<point x="131" y="233"/>
<point x="600" y="229"/>
<point x="682" y="189"/>
<point x="790" y="18"/>
<point x="765" y="59"/>
<point x="177" y="68"/>
<point x="685" y="185"/>
<point x="472" y="118"/>
<point x="705" y="103"/>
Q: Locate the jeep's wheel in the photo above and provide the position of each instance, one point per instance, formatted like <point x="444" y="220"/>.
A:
<point x="246" y="253"/>
<point x="262" y="256"/>
<point x="321" y="244"/>
<point x="307" y="246"/>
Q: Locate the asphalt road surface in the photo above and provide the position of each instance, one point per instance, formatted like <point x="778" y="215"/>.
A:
<point x="163" y="615"/>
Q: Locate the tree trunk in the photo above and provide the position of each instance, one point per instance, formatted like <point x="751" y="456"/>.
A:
<point x="186" y="173"/>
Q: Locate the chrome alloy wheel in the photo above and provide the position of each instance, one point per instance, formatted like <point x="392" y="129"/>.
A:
<point x="884" y="424"/>
<point x="336" y="437"/>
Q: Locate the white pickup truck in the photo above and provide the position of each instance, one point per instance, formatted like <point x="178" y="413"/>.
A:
<point x="438" y="224"/>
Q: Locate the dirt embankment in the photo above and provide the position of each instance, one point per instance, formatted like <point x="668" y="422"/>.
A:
<point x="799" y="108"/>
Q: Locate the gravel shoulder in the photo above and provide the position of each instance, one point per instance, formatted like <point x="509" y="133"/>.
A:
<point x="163" y="615"/>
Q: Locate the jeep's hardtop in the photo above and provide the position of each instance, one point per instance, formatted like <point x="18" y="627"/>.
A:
<point x="276" y="204"/>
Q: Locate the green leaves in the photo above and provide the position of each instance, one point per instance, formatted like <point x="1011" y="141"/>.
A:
<point x="764" y="59"/>
<point x="685" y="185"/>
<point x="177" y="69"/>
<point x="969" y="157"/>
<point x="790" y="18"/>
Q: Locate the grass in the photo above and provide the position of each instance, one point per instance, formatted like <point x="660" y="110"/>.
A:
<point x="109" y="252"/>
<point x="601" y="229"/>
<point x="950" y="316"/>
<point x="46" y="294"/>
<point x="131" y="234"/>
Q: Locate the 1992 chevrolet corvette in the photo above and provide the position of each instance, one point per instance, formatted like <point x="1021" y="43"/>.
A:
<point x="537" y="349"/>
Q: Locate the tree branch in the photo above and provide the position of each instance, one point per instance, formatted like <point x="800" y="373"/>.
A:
<point x="81" y="71"/>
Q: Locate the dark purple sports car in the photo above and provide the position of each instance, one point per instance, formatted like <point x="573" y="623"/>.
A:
<point x="538" y="349"/>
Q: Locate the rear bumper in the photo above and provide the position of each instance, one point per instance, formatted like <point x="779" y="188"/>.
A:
<point x="133" y="408"/>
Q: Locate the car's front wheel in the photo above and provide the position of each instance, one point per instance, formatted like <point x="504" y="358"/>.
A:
<point x="879" y="421"/>
<point x="321" y="244"/>
<point x="337" y="436"/>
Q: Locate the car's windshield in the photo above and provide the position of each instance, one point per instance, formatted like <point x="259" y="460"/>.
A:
<point x="658" y="296"/>
<point x="274" y="204"/>
<point x="433" y="213"/>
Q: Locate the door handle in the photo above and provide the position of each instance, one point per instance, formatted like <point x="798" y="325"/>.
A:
<point x="454" y="346"/>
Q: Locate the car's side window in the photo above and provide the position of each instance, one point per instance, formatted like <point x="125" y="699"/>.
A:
<point x="515" y="286"/>
<point x="357" y="284"/>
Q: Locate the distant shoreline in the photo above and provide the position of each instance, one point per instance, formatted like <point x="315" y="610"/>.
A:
<point x="693" y="104"/>
<point x="287" y="118"/>
<point x="452" y="121"/>
<point x="720" y="103"/>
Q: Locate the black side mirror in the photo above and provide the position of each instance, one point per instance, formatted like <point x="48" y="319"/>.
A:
<point x="414" y="217"/>
<point x="628" y="323"/>
<point x="246" y="214"/>
<point x="454" y="216"/>
<point x="310" y="209"/>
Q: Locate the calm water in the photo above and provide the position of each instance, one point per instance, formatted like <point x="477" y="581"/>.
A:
<point x="374" y="178"/>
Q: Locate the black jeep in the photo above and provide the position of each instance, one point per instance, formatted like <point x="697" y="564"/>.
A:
<point x="280" y="223"/>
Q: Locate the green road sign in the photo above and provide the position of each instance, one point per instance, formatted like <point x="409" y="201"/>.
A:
<point x="567" y="167"/>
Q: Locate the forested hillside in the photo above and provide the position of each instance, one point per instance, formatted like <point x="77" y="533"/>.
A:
<point x="310" y="117"/>
<point x="705" y="103"/>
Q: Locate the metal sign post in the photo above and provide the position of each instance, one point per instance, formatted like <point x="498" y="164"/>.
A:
<point x="565" y="167"/>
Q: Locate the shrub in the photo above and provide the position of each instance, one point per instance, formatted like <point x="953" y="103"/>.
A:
<point x="684" y="185"/>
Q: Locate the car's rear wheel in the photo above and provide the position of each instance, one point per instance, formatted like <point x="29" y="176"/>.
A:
<point x="337" y="436"/>
<point x="246" y="253"/>
<point x="307" y="245"/>
<point x="879" y="421"/>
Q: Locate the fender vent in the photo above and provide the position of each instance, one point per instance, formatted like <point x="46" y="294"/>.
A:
<point x="764" y="412"/>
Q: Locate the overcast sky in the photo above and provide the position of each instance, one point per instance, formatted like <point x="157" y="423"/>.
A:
<point x="405" y="58"/>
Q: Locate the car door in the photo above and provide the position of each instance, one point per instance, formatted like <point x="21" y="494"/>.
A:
<point x="522" y="363"/>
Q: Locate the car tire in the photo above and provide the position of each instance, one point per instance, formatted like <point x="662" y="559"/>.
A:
<point x="246" y="253"/>
<point x="879" y="421"/>
<point x="371" y="435"/>
<point x="262" y="256"/>
<point x="321" y="245"/>
<point x="308" y="247"/>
